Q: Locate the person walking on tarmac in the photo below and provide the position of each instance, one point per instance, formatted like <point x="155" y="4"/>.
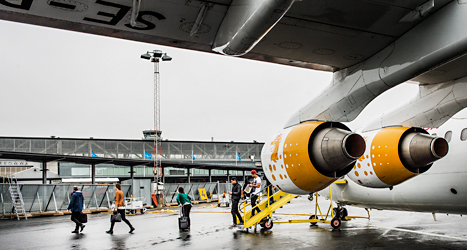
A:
<point x="119" y="208"/>
<point x="255" y="189"/>
<point x="76" y="206"/>
<point x="184" y="201"/>
<point x="236" y="194"/>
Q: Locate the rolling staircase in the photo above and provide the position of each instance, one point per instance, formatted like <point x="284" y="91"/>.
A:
<point x="16" y="199"/>
<point x="276" y="199"/>
<point x="267" y="207"/>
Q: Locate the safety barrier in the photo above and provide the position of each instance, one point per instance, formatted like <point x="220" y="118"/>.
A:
<point x="47" y="198"/>
<point x="40" y="198"/>
<point x="192" y="189"/>
<point x="213" y="190"/>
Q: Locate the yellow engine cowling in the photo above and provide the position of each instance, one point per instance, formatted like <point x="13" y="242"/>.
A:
<point x="396" y="154"/>
<point x="308" y="157"/>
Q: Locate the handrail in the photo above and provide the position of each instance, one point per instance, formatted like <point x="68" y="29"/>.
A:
<point x="259" y="203"/>
<point x="280" y="198"/>
<point x="245" y="204"/>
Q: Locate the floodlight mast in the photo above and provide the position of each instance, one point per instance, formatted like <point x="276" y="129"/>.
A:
<point x="155" y="57"/>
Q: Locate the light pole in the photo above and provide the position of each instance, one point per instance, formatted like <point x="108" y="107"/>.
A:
<point x="155" y="56"/>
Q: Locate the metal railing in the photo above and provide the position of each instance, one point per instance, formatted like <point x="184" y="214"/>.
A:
<point x="192" y="189"/>
<point x="213" y="190"/>
<point x="47" y="198"/>
<point x="135" y="149"/>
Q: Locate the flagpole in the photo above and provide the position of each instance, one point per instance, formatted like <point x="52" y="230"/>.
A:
<point x="236" y="153"/>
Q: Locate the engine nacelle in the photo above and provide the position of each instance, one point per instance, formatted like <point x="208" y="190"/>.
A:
<point x="396" y="154"/>
<point x="310" y="156"/>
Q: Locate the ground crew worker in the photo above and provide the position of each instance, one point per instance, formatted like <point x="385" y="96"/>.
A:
<point x="119" y="208"/>
<point x="236" y="194"/>
<point x="76" y="206"/>
<point x="255" y="189"/>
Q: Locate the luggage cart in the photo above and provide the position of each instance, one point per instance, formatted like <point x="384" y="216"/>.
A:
<point x="224" y="200"/>
<point x="133" y="205"/>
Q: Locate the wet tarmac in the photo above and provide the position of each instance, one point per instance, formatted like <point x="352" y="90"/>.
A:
<point x="385" y="230"/>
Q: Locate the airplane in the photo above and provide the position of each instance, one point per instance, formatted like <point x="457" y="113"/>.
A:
<point x="370" y="46"/>
<point x="439" y="190"/>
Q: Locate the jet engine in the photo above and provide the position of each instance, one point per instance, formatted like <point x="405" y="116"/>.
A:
<point x="308" y="157"/>
<point x="396" y="154"/>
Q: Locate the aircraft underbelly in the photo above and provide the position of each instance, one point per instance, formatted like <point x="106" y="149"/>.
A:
<point x="428" y="193"/>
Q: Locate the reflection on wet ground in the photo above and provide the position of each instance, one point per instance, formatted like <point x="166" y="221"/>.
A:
<point x="385" y="230"/>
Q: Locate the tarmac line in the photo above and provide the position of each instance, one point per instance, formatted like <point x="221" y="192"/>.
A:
<point x="419" y="232"/>
<point x="327" y="229"/>
<point x="192" y="211"/>
<point x="212" y="212"/>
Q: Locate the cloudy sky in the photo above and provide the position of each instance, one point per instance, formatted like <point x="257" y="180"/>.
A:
<point x="69" y="84"/>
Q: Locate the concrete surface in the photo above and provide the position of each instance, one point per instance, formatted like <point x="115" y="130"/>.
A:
<point x="385" y="230"/>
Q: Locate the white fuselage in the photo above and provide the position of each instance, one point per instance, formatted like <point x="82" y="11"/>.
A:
<point x="442" y="189"/>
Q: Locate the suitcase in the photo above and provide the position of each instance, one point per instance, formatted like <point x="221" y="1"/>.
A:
<point x="182" y="221"/>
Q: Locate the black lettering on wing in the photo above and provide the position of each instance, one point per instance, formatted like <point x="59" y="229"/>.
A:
<point x="24" y="5"/>
<point x="148" y="25"/>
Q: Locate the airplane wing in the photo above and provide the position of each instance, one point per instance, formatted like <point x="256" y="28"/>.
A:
<point x="370" y="45"/>
<point x="321" y="34"/>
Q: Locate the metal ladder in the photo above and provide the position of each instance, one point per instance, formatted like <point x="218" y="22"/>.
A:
<point x="16" y="198"/>
<point x="275" y="200"/>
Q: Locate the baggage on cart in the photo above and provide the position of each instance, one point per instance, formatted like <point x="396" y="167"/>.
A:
<point x="133" y="205"/>
<point x="224" y="200"/>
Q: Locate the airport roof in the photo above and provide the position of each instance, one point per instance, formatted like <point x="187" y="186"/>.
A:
<point x="129" y="140"/>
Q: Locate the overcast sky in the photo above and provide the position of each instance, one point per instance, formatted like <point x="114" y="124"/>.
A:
<point x="69" y="84"/>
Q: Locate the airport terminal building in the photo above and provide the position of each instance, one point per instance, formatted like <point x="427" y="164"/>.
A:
<point x="71" y="159"/>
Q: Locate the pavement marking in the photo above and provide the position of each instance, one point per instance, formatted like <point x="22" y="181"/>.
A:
<point x="418" y="232"/>
<point x="430" y="234"/>
<point x="324" y="230"/>
<point x="293" y="214"/>
<point x="212" y="212"/>
<point x="163" y="211"/>
<point x="192" y="211"/>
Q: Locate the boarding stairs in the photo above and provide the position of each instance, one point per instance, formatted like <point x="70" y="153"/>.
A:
<point x="16" y="198"/>
<point x="276" y="199"/>
<point x="268" y="206"/>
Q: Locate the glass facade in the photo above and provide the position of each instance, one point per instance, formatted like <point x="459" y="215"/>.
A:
<point x="71" y="170"/>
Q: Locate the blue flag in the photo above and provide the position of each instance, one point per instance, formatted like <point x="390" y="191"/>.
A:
<point x="147" y="155"/>
<point x="193" y="156"/>
<point x="93" y="154"/>
<point x="238" y="157"/>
